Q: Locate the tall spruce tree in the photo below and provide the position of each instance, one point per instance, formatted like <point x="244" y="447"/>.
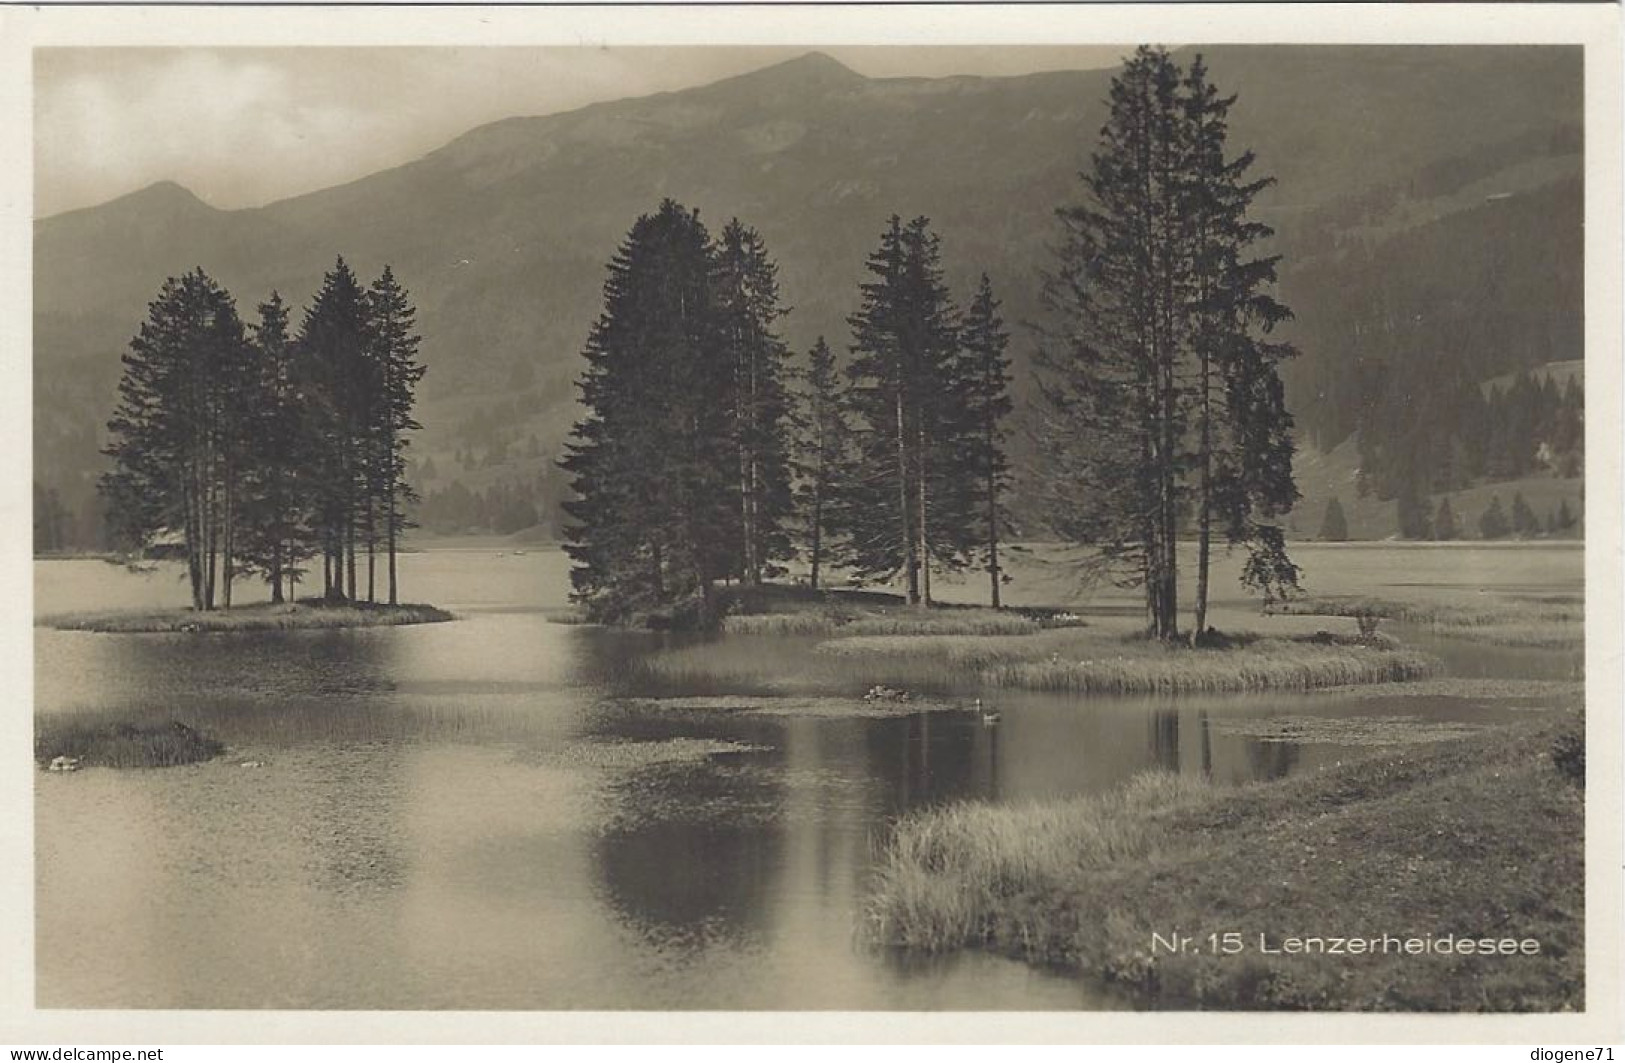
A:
<point x="1444" y="522"/>
<point x="1163" y="396"/>
<point x="1334" y="524"/>
<point x="175" y="434"/>
<point x="334" y="348"/>
<point x="1493" y="523"/>
<point x="276" y="532"/>
<point x="986" y="379"/>
<point x="1244" y="446"/>
<point x="394" y="358"/>
<point x="820" y="457"/>
<point x="747" y="305"/>
<point x="908" y="502"/>
<point x="653" y="460"/>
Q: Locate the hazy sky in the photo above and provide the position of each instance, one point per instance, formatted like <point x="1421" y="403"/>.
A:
<point x="246" y="126"/>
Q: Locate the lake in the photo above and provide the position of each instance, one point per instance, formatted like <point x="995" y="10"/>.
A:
<point x="500" y="813"/>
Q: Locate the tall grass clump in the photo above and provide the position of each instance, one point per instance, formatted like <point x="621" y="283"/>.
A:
<point x="118" y="744"/>
<point x="948" y="873"/>
<point x="1501" y="622"/>
<point x="1266" y="665"/>
<point x="845" y="623"/>
<point x="1414" y="843"/>
<point x="1071" y="662"/>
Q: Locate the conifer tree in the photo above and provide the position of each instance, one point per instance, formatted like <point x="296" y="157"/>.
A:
<point x="334" y="348"/>
<point x="1444" y="522"/>
<point x="276" y="530"/>
<point x="907" y="503"/>
<point x="396" y="369"/>
<point x="1524" y="521"/>
<point x="1493" y="524"/>
<point x="1162" y="395"/>
<point x="1334" y="526"/>
<point x="653" y="462"/>
<point x="987" y="381"/>
<point x="173" y="435"/>
<point x="1244" y="447"/>
<point x="748" y="309"/>
<point x="821" y="456"/>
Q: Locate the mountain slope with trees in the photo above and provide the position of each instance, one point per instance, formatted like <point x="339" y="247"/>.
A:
<point x="503" y="230"/>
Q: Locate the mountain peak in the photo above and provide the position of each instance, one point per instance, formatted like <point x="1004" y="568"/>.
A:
<point x="804" y="71"/>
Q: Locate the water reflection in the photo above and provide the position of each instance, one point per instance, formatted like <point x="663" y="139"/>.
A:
<point x="475" y="815"/>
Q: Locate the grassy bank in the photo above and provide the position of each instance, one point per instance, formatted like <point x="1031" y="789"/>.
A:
<point x="792" y="610"/>
<point x="1479" y="837"/>
<point x="108" y="744"/>
<point x="1100" y="662"/>
<point x="259" y="617"/>
<point x="1553" y="623"/>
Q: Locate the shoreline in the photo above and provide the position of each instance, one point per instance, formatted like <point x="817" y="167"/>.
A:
<point x="261" y="616"/>
<point x="1164" y="888"/>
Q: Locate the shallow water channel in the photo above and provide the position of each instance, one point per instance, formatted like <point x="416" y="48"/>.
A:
<point x="503" y="813"/>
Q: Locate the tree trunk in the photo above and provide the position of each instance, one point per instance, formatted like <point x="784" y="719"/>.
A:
<point x="228" y="535"/>
<point x="817" y="524"/>
<point x="372" y="542"/>
<point x="925" y="542"/>
<point x="992" y="512"/>
<point x="911" y="570"/>
<point x="349" y="552"/>
<point x="390" y="516"/>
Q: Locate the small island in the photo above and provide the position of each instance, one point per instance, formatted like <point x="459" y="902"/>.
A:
<point x="264" y="616"/>
<point x="249" y="450"/>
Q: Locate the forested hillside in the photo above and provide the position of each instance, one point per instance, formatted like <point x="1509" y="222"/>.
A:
<point x="1427" y="208"/>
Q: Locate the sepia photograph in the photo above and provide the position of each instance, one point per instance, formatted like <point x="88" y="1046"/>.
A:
<point x="1090" y="523"/>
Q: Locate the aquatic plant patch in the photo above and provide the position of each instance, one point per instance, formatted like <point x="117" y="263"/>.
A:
<point x="119" y="744"/>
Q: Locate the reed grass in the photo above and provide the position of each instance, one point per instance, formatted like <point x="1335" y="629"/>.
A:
<point x="846" y="623"/>
<point x="119" y="744"/>
<point x="1545" y="622"/>
<point x="1094" y="663"/>
<point x="259" y="617"/>
<point x="1445" y="839"/>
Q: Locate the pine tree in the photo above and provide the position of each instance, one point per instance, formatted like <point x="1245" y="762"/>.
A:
<point x="1411" y="509"/>
<point x="276" y="533"/>
<point x="1244" y="450"/>
<point x="1109" y="374"/>
<point x="341" y="392"/>
<point x="393" y="355"/>
<point x="987" y="379"/>
<point x="907" y="503"/>
<point x="176" y="430"/>
<point x="1493" y="524"/>
<point x="1334" y="526"/>
<point x="1565" y="516"/>
<point x="1444" y="522"/>
<point x="748" y="308"/>
<point x="821" y="455"/>
<point x="1524" y="521"/>
<point x="1161" y="394"/>
<point x="653" y="462"/>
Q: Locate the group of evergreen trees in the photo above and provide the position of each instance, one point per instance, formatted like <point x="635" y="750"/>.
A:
<point x="261" y="448"/>
<point x="1444" y="525"/>
<point x="1475" y="435"/>
<point x="1165" y="411"/>
<point x="705" y="455"/>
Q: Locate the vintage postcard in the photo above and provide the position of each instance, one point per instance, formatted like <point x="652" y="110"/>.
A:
<point x="814" y="523"/>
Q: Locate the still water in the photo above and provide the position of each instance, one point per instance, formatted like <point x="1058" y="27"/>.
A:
<point x="494" y="814"/>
